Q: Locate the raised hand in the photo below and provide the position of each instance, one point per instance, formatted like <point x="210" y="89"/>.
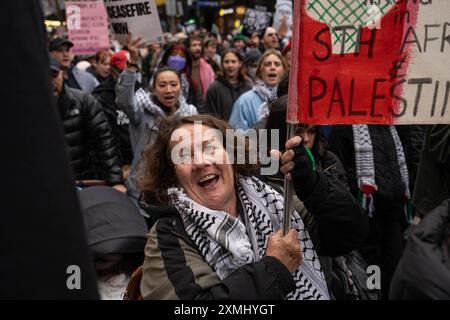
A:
<point x="133" y="47"/>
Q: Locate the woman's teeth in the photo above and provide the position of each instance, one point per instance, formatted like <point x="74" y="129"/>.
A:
<point x="208" y="177"/>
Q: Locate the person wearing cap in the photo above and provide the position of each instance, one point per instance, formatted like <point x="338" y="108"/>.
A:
<point x="106" y="95"/>
<point x="239" y="42"/>
<point x="61" y="50"/>
<point x="87" y="133"/>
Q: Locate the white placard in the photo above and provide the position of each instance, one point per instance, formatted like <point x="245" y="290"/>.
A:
<point x="134" y="16"/>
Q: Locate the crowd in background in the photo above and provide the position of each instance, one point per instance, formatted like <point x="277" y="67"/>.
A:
<point x="112" y="106"/>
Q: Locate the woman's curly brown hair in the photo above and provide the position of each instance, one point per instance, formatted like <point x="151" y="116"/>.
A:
<point x="156" y="170"/>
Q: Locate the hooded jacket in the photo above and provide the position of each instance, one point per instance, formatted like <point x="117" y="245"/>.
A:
<point x="81" y="80"/>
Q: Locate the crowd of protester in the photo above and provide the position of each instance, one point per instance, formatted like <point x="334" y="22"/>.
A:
<point x="214" y="229"/>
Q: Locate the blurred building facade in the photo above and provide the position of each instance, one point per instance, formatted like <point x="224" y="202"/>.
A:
<point x="226" y="15"/>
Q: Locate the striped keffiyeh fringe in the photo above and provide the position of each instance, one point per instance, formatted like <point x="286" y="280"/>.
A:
<point x="365" y="168"/>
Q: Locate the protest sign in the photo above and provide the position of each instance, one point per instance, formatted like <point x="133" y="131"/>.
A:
<point x="137" y="17"/>
<point x="87" y="26"/>
<point x="283" y="10"/>
<point x="370" y="61"/>
<point x="256" y="21"/>
<point x="258" y="16"/>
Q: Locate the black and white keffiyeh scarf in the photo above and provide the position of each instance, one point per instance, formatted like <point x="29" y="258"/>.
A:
<point x="227" y="243"/>
<point x="144" y="99"/>
<point x="268" y="94"/>
<point x="365" y="168"/>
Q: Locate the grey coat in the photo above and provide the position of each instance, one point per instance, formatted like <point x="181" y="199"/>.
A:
<point x="143" y="114"/>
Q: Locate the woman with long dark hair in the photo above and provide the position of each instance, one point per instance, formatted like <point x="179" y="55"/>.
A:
<point x="225" y="90"/>
<point x="144" y="108"/>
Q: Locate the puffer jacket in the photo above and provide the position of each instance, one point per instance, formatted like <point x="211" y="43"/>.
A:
<point x="88" y="133"/>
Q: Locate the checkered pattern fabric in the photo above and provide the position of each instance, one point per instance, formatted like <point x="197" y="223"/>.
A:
<point x="357" y="13"/>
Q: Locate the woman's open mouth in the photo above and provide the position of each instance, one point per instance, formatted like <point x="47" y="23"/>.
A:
<point x="208" y="181"/>
<point x="272" y="76"/>
<point x="169" y="98"/>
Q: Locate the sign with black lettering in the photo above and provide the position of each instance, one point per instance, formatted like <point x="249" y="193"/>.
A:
<point x="370" y="61"/>
<point x="87" y="26"/>
<point x="134" y="16"/>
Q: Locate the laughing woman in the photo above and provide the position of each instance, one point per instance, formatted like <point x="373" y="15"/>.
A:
<point x="220" y="236"/>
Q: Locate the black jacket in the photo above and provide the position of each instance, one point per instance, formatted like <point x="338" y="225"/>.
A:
<point x="221" y="96"/>
<point x="86" y="130"/>
<point x="328" y="163"/>
<point x="174" y="268"/>
<point x="105" y="94"/>
<point x="424" y="270"/>
<point x="433" y="175"/>
<point x="387" y="171"/>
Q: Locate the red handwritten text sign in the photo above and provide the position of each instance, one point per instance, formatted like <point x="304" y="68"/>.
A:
<point x="370" y="61"/>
